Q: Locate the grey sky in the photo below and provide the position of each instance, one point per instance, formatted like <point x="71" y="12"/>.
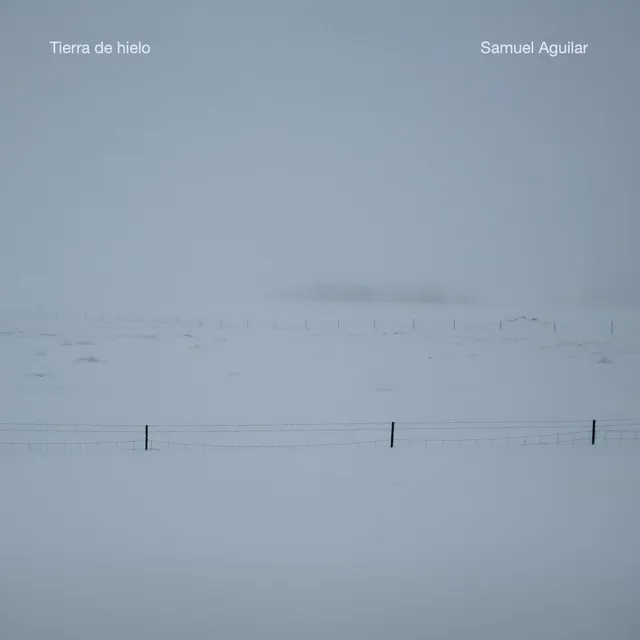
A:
<point x="268" y="144"/>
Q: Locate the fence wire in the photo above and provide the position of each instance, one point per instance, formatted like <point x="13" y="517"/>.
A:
<point x="548" y="439"/>
<point x="44" y="446"/>
<point x="186" y="445"/>
<point x="300" y="427"/>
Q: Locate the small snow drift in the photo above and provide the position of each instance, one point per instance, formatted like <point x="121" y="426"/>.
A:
<point x="570" y="344"/>
<point x="89" y="359"/>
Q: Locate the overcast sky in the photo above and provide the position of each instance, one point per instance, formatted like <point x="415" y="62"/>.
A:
<point x="267" y="144"/>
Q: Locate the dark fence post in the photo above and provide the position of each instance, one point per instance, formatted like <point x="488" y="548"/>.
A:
<point x="454" y="325"/>
<point x="393" y="429"/>
<point x="554" y="326"/>
<point x="612" y="327"/>
<point x="414" y="324"/>
<point x="500" y="325"/>
<point x="593" y="432"/>
<point x="146" y="437"/>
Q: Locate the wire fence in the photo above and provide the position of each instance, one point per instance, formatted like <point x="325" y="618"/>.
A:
<point x="45" y="437"/>
<point x="71" y="446"/>
<point x="395" y="322"/>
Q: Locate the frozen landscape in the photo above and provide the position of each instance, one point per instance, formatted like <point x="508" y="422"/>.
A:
<point x="317" y="322"/>
<point x="270" y="503"/>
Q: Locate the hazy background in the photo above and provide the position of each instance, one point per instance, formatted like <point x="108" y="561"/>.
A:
<point x="268" y="145"/>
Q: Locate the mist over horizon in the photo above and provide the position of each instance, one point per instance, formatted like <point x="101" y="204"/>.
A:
<point x="347" y="143"/>
<point x="364" y="294"/>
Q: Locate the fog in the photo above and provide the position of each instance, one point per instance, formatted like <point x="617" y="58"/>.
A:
<point x="357" y="293"/>
<point x="260" y="147"/>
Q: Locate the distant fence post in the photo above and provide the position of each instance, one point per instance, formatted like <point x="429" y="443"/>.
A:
<point x="146" y="437"/>
<point x="554" y="326"/>
<point x="612" y="327"/>
<point x="593" y="432"/>
<point x="393" y="429"/>
<point x="500" y="325"/>
<point x="454" y="325"/>
<point x="414" y="324"/>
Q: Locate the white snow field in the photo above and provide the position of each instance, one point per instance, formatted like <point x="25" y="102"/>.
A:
<point x="233" y="526"/>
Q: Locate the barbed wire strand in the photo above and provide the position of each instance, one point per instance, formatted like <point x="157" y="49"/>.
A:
<point x="85" y="443"/>
<point x="265" y="446"/>
<point x="406" y="423"/>
<point x="540" y="439"/>
<point x="372" y="427"/>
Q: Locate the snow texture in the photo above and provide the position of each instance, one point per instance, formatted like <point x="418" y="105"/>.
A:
<point x="459" y="531"/>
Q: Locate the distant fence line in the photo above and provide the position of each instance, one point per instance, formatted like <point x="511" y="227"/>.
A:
<point x="564" y="432"/>
<point x="412" y="323"/>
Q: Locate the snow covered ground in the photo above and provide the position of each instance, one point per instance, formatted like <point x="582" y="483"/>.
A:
<point x="458" y="532"/>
